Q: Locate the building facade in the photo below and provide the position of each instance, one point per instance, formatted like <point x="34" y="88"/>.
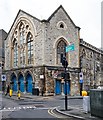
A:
<point x="3" y="35"/>
<point x="33" y="52"/>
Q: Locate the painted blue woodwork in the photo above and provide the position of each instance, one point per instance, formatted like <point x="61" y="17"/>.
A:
<point x="14" y="86"/>
<point x="21" y="80"/>
<point x="58" y="87"/>
<point x="29" y="83"/>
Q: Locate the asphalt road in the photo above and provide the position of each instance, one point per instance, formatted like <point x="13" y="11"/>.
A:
<point x="0" y="106"/>
<point x="30" y="108"/>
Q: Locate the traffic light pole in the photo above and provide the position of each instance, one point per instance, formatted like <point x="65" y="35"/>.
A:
<point x="65" y="64"/>
<point x="66" y="103"/>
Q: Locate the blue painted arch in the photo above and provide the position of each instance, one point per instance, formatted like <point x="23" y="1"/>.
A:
<point x="14" y="81"/>
<point x="58" y="87"/>
<point x="29" y="84"/>
<point x="21" y="81"/>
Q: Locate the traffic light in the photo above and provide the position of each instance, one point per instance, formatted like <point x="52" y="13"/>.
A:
<point x="64" y="62"/>
<point x="63" y="75"/>
<point x="67" y="76"/>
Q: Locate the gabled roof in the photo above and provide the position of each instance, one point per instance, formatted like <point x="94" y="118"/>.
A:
<point x="17" y="17"/>
<point x="61" y="7"/>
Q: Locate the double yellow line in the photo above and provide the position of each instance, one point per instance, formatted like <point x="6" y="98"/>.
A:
<point x="50" y="111"/>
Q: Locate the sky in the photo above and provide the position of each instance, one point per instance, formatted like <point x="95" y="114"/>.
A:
<point x="85" y="13"/>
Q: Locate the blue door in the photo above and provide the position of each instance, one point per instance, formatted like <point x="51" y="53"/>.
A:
<point x="14" y="86"/>
<point x="29" y="83"/>
<point x="21" y="80"/>
<point x="68" y="87"/>
<point x="58" y="87"/>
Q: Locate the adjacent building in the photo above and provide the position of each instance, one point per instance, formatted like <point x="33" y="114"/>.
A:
<point x="3" y="35"/>
<point x="33" y="54"/>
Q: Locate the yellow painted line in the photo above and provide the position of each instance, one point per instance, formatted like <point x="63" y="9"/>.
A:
<point x="50" y="111"/>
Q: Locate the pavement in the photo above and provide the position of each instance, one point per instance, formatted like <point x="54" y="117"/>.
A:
<point x="72" y="111"/>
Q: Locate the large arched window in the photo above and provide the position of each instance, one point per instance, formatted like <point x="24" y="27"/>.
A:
<point x="22" y="41"/>
<point x="22" y="48"/>
<point x="15" y="53"/>
<point x="22" y="31"/>
<point x="61" y="51"/>
<point x="30" y="48"/>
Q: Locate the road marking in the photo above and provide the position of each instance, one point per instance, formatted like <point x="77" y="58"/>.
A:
<point x="24" y="107"/>
<point x="17" y="108"/>
<point x="41" y="108"/>
<point x="50" y="111"/>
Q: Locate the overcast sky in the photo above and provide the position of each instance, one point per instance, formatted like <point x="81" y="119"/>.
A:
<point x="85" y="13"/>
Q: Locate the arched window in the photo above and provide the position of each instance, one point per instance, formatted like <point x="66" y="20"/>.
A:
<point x="21" y="31"/>
<point x="22" y="56"/>
<point x="84" y="53"/>
<point x="61" y="25"/>
<point x="15" y="52"/>
<point x="22" y="41"/>
<point x="30" y="48"/>
<point x="61" y="51"/>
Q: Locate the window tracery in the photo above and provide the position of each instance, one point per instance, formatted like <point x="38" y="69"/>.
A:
<point x="22" y="47"/>
<point x="30" y="48"/>
<point x="15" y="53"/>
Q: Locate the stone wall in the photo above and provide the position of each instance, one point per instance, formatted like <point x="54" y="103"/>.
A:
<point x="54" y="33"/>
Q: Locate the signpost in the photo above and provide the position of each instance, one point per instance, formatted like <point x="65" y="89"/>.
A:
<point x="65" y="64"/>
<point x="81" y="82"/>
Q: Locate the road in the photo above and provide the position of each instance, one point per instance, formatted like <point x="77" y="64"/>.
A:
<point x="30" y="108"/>
<point x="0" y="106"/>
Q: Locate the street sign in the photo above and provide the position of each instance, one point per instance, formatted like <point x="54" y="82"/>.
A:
<point x="81" y="75"/>
<point x="70" y="48"/>
<point x="3" y="77"/>
<point x="80" y="81"/>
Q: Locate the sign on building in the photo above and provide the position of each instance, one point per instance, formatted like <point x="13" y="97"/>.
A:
<point x="3" y="77"/>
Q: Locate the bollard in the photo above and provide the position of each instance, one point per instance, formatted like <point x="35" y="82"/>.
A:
<point x="18" y="94"/>
<point x="10" y="92"/>
<point x="84" y="93"/>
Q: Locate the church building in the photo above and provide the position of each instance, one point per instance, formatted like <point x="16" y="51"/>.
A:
<point x="33" y="52"/>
